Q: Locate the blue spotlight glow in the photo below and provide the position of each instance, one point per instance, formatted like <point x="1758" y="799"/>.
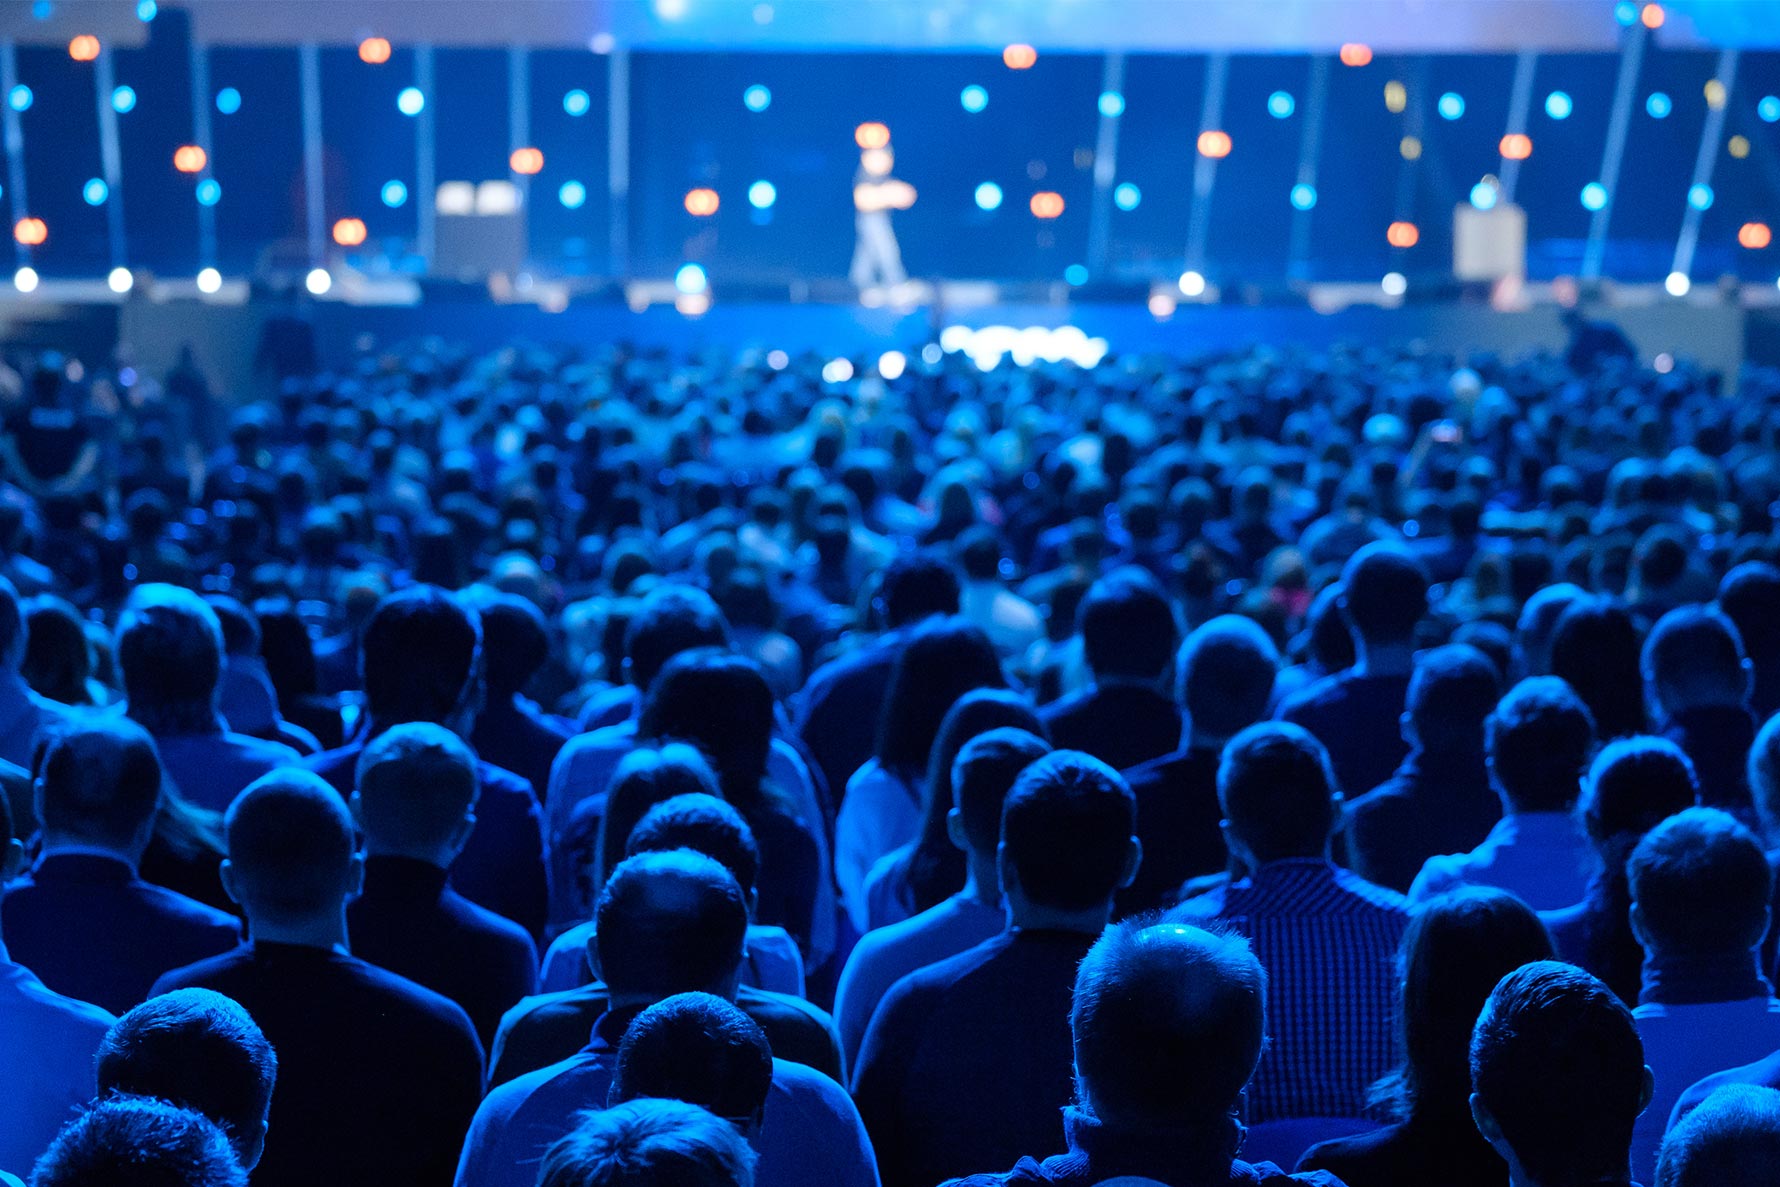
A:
<point x="757" y="98"/>
<point x="1303" y="196"/>
<point x="988" y="196"/>
<point x="1451" y="105"/>
<point x="1626" y="13"/>
<point x="973" y="98"/>
<point x="1126" y="196"/>
<point x="1076" y="274"/>
<point x="1112" y="104"/>
<point x="95" y="192"/>
<point x="1484" y="195"/>
<point x="1700" y="197"/>
<point x="1769" y="108"/>
<point x="411" y="101"/>
<point x="228" y="100"/>
<point x="1558" y="105"/>
<point x="762" y="194"/>
<point x="146" y="9"/>
<point x="20" y="98"/>
<point x="1281" y="105"/>
<point x="690" y="279"/>
<point x="1594" y="196"/>
<point x="577" y="102"/>
<point x="123" y="99"/>
<point x="572" y="194"/>
<point x="209" y="192"/>
<point x="1659" y="105"/>
<point x="394" y="194"/>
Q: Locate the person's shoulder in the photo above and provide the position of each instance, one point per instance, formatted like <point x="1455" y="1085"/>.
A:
<point x="621" y="736"/>
<point x="1066" y="705"/>
<point x="188" y="912"/>
<point x="932" y="982"/>
<point x="273" y="754"/>
<point x="1439" y="874"/>
<point x="410" y="999"/>
<point x="1311" y="697"/>
<point x="336" y="765"/>
<point x="1370" y="894"/>
<point x="502" y="782"/>
<point x="804" y="1084"/>
<point x="1763" y="1073"/>
<point x="203" y="974"/>
<point x="69" y="1012"/>
<point x="472" y="917"/>
<point x="757" y="1002"/>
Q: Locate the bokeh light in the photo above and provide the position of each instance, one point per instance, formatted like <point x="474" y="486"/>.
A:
<point x="1517" y="146"/>
<point x="394" y="194"/>
<point x="209" y="192"/>
<point x="1355" y="54"/>
<point x="120" y="281"/>
<point x="1677" y="284"/>
<point x="1700" y="196"/>
<point x="95" y="192"/>
<point x="228" y="100"/>
<point x="1394" y="284"/>
<point x="1653" y="16"/>
<point x="1484" y="195"/>
<point x="318" y="282"/>
<point x="20" y="98"/>
<point x="988" y="196"/>
<point x="1281" y="105"/>
<point x="123" y="99"/>
<point x="1112" y="104"/>
<point x="1303" y="196"/>
<point x="373" y="51"/>
<point x="411" y="101"/>
<point x="1410" y="148"/>
<point x="1659" y="105"/>
<point x="757" y="98"/>
<point x="1594" y="196"/>
<point x="1768" y="108"/>
<point x="577" y="102"/>
<point x="1126" y="196"/>
<point x="1754" y="236"/>
<point x="762" y="195"/>
<point x="973" y="98"/>
<point x="84" y="48"/>
<point x="572" y="195"/>
<point x="31" y="232"/>
<point x="1737" y="146"/>
<point x="1451" y="105"/>
<point x="1047" y="204"/>
<point x="871" y="135"/>
<point x="1214" y="144"/>
<point x="1402" y="234"/>
<point x="1076" y="274"/>
<point x="691" y="279"/>
<point x="701" y="202"/>
<point x="190" y="158"/>
<point x="526" y="161"/>
<point x="25" y="280"/>
<point x="349" y="232"/>
<point x="1396" y="96"/>
<point x="1559" y="105"/>
<point x="1192" y="283"/>
<point x="1715" y="93"/>
<point x="1019" y="57"/>
<point x="209" y="280"/>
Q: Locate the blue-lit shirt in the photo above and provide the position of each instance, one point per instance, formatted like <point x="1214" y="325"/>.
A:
<point x="1328" y="940"/>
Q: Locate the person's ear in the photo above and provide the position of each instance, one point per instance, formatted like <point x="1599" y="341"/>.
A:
<point x="12" y="859"/>
<point x="1635" y="916"/>
<point x="226" y="874"/>
<point x="355" y="804"/>
<point x="1486" y="1122"/>
<point x="955" y="830"/>
<point x="1133" y="862"/>
<point x="355" y="875"/>
<point x="1337" y="812"/>
<point x="1646" y="1089"/>
<point x="460" y="836"/>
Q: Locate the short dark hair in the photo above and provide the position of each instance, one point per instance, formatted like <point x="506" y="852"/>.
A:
<point x="1540" y="740"/>
<point x="515" y="640"/>
<point x="133" y="1141"/>
<point x="1152" y="999"/>
<point x="421" y="655"/>
<point x="1277" y="791"/>
<point x="416" y="781"/>
<point x="290" y="841"/>
<point x="1633" y="785"/>
<point x="670" y="620"/>
<point x="1557" y="1061"/>
<point x="99" y="779"/>
<point x="704" y="824"/>
<point x="198" y="1049"/>
<point x="985" y="771"/>
<point x="697" y="1048"/>
<point x="918" y="585"/>
<point x="1731" y="1140"/>
<point x="1384" y="593"/>
<point x="1700" y="884"/>
<point x="1452" y="691"/>
<point x="669" y="923"/>
<point x="1066" y="830"/>
<point x="647" y="1142"/>
<point x="943" y="659"/>
<point x="644" y="778"/>
<point x="1127" y="625"/>
<point x="1693" y="655"/>
<point x="1227" y="670"/>
<point x="170" y="647"/>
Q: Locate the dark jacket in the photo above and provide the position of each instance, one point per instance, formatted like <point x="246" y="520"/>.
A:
<point x="1122" y="725"/>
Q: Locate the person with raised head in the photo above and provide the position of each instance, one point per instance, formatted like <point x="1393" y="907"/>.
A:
<point x="1699" y="682"/>
<point x="981" y="777"/>
<point x="1439" y="799"/>
<point x="1227" y="670"/>
<point x="1558" y="1078"/>
<point x="943" y="659"/>
<point x="1151" y="1000"/>
<point x="1731" y="1140"/>
<point x="201" y="1051"/>
<point x="1700" y="894"/>
<point x="1128" y="715"/>
<point x="838" y="710"/>
<point x="170" y="647"/>
<point x="415" y="804"/>
<point x="698" y="1048"/>
<point x="1633" y="785"/>
<point x="377" y="1076"/>
<point x="1538" y="742"/>
<point x="1327" y="937"/>
<point x="667" y="923"/>
<point x="511" y="729"/>
<point x="136" y="1141"/>
<point x="1457" y="948"/>
<point x="649" y="1143"/>
<point x="82" y="918"/>
<point x="52" y="1035"/>
<point x="1749" y="596"/>
<point x="1355" y="713"/>
<point x="966" y="1062"/>
<point x="421" y="657"/>
<point x="24" y="714"/>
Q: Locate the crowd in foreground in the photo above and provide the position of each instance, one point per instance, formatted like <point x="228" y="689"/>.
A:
<point x="603" y="769"/>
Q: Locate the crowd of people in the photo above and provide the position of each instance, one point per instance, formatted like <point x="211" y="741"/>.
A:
<point x="612" y="769"/>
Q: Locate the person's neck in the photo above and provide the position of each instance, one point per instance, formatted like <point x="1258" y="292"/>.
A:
<point x="1030" y="916"/>
<point x="431" y="856"/>
<point x="1114" y="680"/>
<point x="1393" y="658"/>
<point x="981" y="884"/>
<point x="323" y="930"/>
<point x="63" y="843"/>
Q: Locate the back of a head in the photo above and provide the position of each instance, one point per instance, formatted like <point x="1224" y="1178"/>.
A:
<point x="978" y="550"/>
<point x="672" y="619"/>
<point x="1277" y="791"/>
<point x="1538" y="619"/>
<point x="170" y="647"/>
<point x="972" y="715"/>
<point x="1731" y="1140"/>
<point x="649" y="1143"/>
<point x="201" y="1051"/>
<point x="917" y="585"/>
<point x="1749" y="596"/>
<point x="669" y="923"/>
<point x="1384" y="593"/>
<point x="1693" y="656"/>
<point x="1595" y="648"/>
<point x="1700" y="886"/>
<point x="420" y="652"/>
<point x="943" y="659"/>
<point x="290" y="844"/>
<point x="1154" y="999"/>
<point x="644" y="778"/>
<point x="721" y="703"/>
<point x="1557" y="1062"/>
<point x="1540" y="740"/>
<point x="1764" y="774"/>
<point x="138" y="1142"/>
<point x="1634" y="784"/>
<point x="701" y="822"/>
<point x="1128" y="627"/>
<point x="1452" y="692"/>
<point x="240" y="627"/>
<point x="515" y="641"/>
<point x="12" y="622"/>
<point x="700" y="1049"/>
<point x="1227" y="670"/>
<point x="1455" y="950"/>
<point x="983" y="774"/>
<point x="416" y="783"/>
<point x="99" y="782"/>
<point x="1066" y="831"/>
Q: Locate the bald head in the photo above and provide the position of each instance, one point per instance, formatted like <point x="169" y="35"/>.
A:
<point x="669" y="923"/>
<point x="291" y="855"/>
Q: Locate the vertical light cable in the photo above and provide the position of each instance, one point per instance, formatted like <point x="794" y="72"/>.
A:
<point x="15" y="146"/>
<point x="314" y="191"/>
<point x="201" y="136"/>
<point x="1631" y="59"/>
<point x="111" y="160"/>
<point x="1106" y="167"/>
<point x="1702" y="166"/>
<point x="1310" y="151"/>
<point x="618" y="161"/>
<point x="426" y="162"/>
<point x="1520" y="102"/>
<point x="1205" y="169"/>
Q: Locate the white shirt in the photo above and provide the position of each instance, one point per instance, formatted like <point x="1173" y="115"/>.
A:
<point x="1685" y="1044"/>
<point x="880" y="813"/>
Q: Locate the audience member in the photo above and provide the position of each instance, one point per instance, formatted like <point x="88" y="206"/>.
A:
<point x="700" y="1049"/>
<point x="511" y="731"/>
<point x="377" y="1077"/>
<point x="1699" y="683"/>
<point x="1749" y="596"/>
<point x="1596" y="649"/>
<point x="1326" y="937"/>
<point x="648" y="1143"/>
<point x="139" y="1142"/>
<point x="24" y="714"/>
<point x="1731" y="1140"/>
<point x="1539" y="742"/>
